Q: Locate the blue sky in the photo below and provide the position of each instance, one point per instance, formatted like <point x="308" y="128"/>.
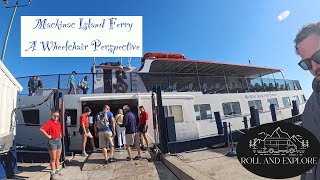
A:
<point x="226" y="31"/>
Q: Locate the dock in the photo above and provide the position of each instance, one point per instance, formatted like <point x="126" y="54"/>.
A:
<point x="94" y="168"/>
<point x="202" y="164"/>
<point x="209" y="163"/>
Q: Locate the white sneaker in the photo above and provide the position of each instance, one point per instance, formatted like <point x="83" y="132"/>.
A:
<point x="58" y="171"/>
<point x="85" y="154"/>
<point x="53" y="177"/>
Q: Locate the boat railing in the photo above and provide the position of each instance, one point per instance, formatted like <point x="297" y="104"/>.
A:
<point x="135" y="82"/>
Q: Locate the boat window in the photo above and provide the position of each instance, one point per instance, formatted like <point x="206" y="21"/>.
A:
<point x="303" y="98"/>
<point x="286" y="101"/>
<point x="297" y="99"/>
<point x="231" y="108"/>
<point x="71" y="117"/>
<point x="273" y="101"/>
<point x="31" y="117"/>
<point x="174" y="111"/>
<point x="256" y="104"/>
<point x="203" y="111"/>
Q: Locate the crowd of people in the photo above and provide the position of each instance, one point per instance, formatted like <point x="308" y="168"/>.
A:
<point x="34" y="83"/>
<point x="129" y="130"/>
<point x="83" y="84"/>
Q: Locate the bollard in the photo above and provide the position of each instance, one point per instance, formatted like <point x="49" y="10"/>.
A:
<point x="232" y="152"/>
<point x="245" y="122"/>
<point x="273" y="112"/>
<point x="226" y="134"/>
<point x="254" y="120"/>
<point x="218" y="122"/>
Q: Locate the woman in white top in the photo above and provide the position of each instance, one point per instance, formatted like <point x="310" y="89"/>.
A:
<point x="120" y="128"/>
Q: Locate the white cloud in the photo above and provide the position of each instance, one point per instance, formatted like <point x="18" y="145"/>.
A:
<point x="283" y="15"/>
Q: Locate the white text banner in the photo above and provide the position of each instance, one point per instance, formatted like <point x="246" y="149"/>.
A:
<point x="81" y="36"/>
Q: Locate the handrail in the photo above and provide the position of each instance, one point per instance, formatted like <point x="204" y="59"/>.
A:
<point x="182" y="83"/>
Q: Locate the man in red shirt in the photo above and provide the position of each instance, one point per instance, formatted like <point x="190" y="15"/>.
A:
<point x="52" y="131"/>
<point x="143" y="127"/>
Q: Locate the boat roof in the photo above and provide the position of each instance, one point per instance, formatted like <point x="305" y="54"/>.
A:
<point x="4" y="69"/>
<point x="203" y="67"/>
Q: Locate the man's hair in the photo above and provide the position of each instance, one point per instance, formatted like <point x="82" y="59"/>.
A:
<point x="141" y="107"/>
<point x="126" y="107"/>
<point x="86" y="109"/>
<point x="305" y="31"/>
<point x="119" y="110"/>
<point x="106" y="107"/>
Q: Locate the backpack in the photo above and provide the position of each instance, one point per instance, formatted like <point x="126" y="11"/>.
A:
<point x="80" y="84"/>
<point x="102" y="121"/>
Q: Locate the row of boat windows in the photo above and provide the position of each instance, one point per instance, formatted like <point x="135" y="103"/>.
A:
<point x="286" y="102"/>
<point x="32" y="117"/>
<point x="202" y="111"/>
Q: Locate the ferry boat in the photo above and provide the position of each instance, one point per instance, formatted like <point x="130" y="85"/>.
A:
<point x="192" y="90"/>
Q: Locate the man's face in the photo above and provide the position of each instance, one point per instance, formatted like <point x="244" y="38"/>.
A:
<point x="307" y="48"/>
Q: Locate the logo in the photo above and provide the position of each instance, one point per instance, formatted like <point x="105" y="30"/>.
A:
<point x="278" y="150"/>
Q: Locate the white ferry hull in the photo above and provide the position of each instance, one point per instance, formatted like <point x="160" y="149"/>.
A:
<point x="186" y="129"/>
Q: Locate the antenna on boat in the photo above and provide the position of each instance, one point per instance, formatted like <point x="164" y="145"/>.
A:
<point x="93" y="72"/>
<point x="121" y="61"/>
<point x="129" y="62"/>
<point x="94" y="65"/>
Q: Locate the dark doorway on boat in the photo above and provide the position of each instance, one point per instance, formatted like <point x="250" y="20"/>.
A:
<point x="107" y="76"/>
<point x="97" y="106"/>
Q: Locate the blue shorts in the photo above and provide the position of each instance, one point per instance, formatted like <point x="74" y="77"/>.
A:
<point x="54" y="144"/>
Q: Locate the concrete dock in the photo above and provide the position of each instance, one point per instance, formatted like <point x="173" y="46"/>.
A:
<point x="209" y="164"/>
<point x="202" y="164"/>
<point x="93" y="167"/>
<point x="33" y="171"/>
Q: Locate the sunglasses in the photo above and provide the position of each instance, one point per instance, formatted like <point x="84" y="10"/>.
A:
<point x="306" y="64"/>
